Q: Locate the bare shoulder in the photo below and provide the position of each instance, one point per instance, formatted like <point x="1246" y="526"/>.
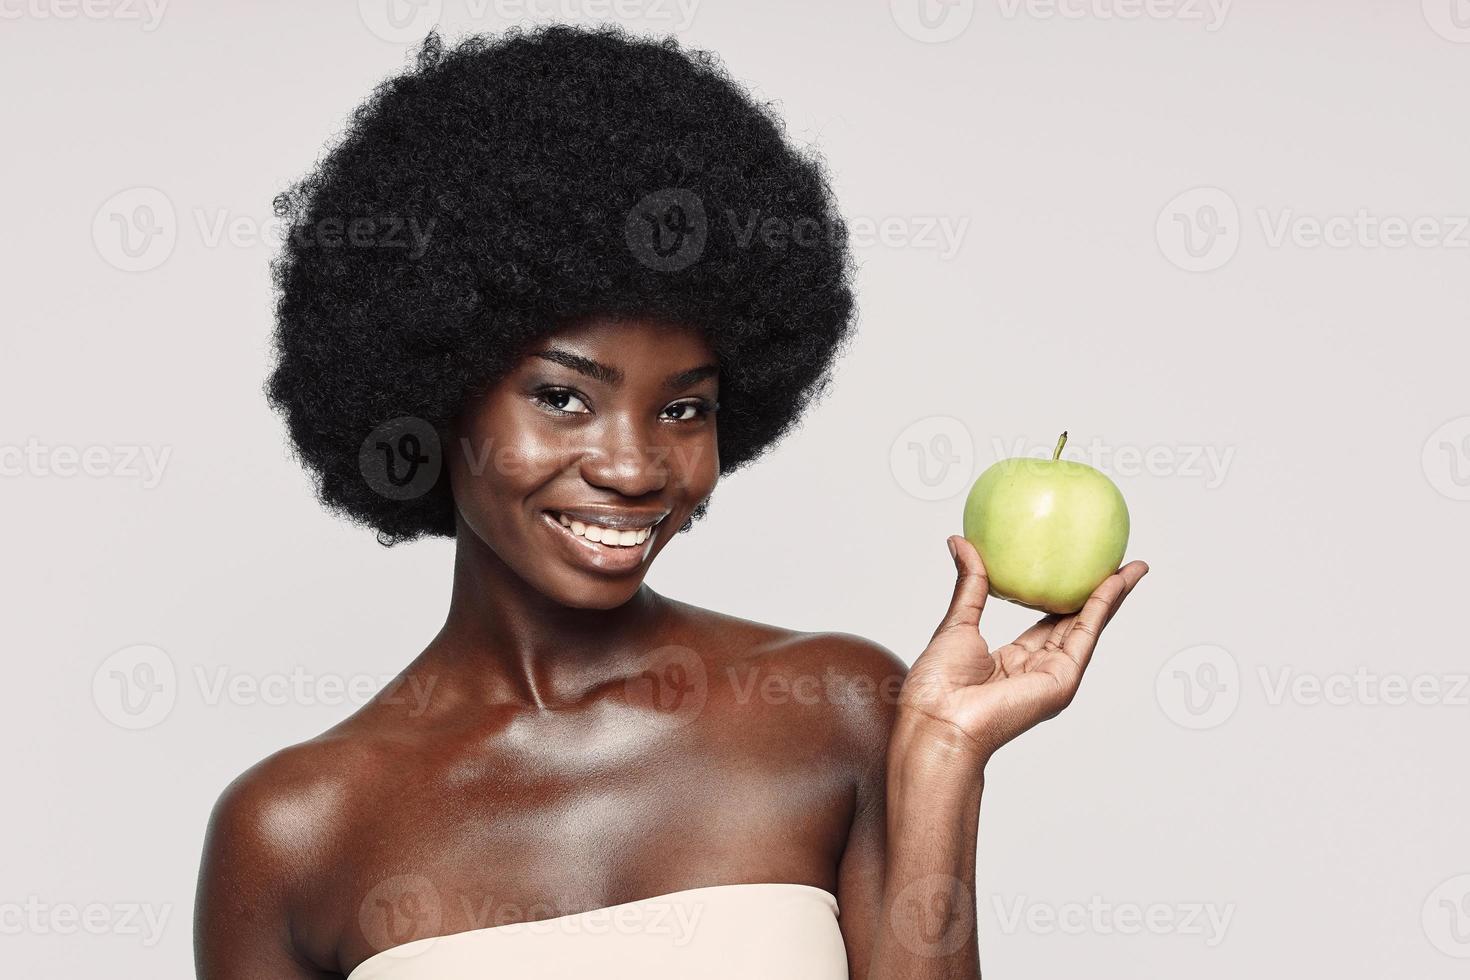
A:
<point x="862" y="678"/>
<point x="847" y="650"/>
<point x="860" y="681"/>
<point x="274" y="837"/>
<point x="276" y="815"/>
<point x="732" y="632"/>
<point x="853" y="679"/>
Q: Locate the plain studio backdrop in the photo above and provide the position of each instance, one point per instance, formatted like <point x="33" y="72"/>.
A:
<point x="1224" y="245"/>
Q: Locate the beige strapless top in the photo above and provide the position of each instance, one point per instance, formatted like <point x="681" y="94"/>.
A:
<point x="758" y="931"/>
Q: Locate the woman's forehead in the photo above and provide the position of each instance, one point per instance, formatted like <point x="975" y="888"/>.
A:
<point x="625" y="337"/>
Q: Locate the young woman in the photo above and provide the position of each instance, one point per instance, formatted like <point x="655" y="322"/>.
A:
<point x="546" y="291"/>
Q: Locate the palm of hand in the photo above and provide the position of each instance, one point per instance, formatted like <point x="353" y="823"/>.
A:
<point x="989" y="697"/>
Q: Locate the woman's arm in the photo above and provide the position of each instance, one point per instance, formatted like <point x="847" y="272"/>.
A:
<point x="959" y="703"/>
<point x="926" y="919"/>
<point x="253" y="850"/>
<point x="905" y="792"/>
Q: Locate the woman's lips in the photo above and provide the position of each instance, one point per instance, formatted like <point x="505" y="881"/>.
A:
<point x="595" y="556"/>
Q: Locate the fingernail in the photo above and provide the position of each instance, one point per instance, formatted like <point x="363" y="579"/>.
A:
<point x="952" y="552"/>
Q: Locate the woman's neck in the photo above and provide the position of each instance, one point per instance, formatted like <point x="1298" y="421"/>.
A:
<point x="511" y="641"/>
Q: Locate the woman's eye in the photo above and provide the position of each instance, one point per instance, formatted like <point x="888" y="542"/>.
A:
<point x="562" y="401"/>
<point x="689" y="410"/>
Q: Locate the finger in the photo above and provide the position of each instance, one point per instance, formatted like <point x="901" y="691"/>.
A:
<point x="1059" y="630"/>
<point x="970" y="589"/>
<point x="1036" y="634"/>
<point x="1081" y="639"/>
<point x="1132" y="573"/>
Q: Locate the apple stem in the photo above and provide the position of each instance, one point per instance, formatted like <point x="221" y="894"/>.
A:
<point x="1060" y="443"/>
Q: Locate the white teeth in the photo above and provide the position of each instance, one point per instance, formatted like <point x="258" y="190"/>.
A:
<point x="606" y="535"/>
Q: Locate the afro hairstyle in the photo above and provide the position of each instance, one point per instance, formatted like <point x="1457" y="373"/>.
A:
<point x="504" y="186"/>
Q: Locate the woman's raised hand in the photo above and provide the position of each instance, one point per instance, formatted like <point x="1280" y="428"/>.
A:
<point x="963" y="694"/>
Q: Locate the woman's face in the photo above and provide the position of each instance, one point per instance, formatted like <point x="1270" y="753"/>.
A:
<point x="604" y="430"/>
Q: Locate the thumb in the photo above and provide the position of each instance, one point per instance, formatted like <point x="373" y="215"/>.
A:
<point x="970" y="589"/>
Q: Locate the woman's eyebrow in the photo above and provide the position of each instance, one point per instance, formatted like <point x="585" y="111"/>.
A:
<point x="612" y="376"/>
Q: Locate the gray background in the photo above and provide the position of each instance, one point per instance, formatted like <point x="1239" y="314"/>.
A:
<point x="1274" y="729"/>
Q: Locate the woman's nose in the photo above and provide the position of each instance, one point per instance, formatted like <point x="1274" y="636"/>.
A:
<point x="625" y="459"/>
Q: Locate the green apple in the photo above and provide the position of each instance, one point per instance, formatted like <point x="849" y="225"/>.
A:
<point x="1049" y="530"/>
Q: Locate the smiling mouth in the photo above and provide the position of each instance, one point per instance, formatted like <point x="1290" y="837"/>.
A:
<point x="607" y="537"/>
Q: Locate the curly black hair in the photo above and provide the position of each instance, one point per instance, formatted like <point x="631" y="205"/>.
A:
<point x="507" y="185"/>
